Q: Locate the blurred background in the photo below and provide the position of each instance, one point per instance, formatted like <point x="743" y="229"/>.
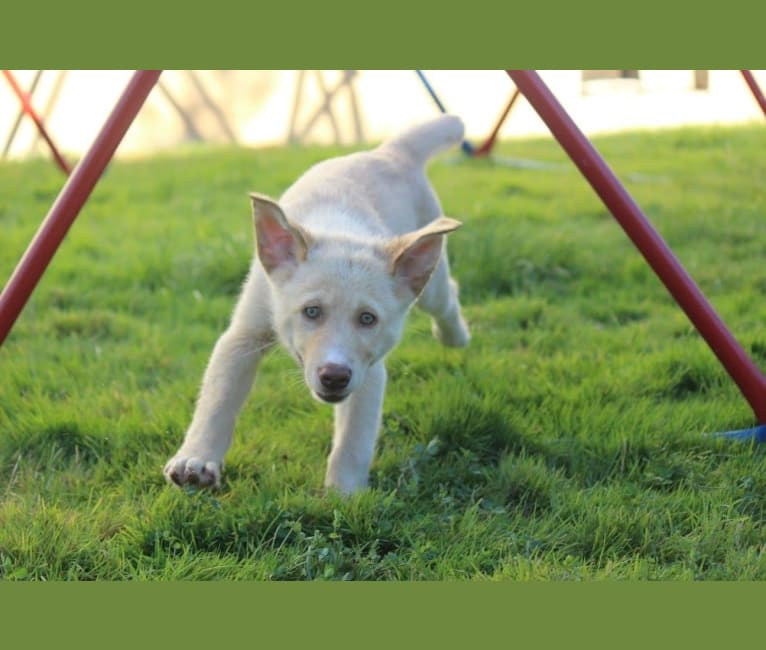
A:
<point x="350" y="107"/>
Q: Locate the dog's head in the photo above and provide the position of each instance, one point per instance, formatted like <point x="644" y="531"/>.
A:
<point x="340" y="303"/>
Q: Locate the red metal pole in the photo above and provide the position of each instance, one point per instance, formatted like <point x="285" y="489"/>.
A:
<point x="71" y="199"/>
<point x="485" y="148"/>
<point x="755" y="89"/>
<point x="686" y="293"/>
<point x="26" y="105"/>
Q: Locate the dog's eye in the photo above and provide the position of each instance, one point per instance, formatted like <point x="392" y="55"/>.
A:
<point x="367" y="319"/>
<point x="312" y="312"/>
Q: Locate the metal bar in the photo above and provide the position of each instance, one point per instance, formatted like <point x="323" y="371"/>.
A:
<point x="359" y="133"/>
<point x="45" y="113"/>
<point x="755" y="89"/>
<point x="20" y="115"/>
<point x="656" y="252"/>
<point x="326" y="107"/>
<point x="328" y="101"/>
<point x="292" y="136"/>
<point x="191" y="130"/>
<point x="431" y="91"/>
<point x="466" y="146"/>
<point x="486" y="147"/>
<point x="29" y="110"/>
<point x="71" y="199"/>
<point x="214" y="108"/>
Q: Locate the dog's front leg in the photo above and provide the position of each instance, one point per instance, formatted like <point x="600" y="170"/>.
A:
<point x="357" y="421"/>
<point x="225" y="385"/>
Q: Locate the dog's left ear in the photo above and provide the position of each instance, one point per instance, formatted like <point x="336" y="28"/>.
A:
<point x="415" y="255"/>
<point x="279" y="242"/>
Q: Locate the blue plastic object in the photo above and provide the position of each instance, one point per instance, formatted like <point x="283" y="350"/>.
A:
<point x="756" y="434"/>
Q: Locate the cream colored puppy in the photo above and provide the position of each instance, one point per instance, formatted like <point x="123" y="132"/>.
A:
<point x="340" y="260"/>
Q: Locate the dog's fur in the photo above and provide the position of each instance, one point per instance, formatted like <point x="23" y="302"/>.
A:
<point x="340" y="260"/>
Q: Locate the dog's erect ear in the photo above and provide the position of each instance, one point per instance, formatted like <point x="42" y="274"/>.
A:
<point x="415" y="255"/>
<point x="279" y="242"/>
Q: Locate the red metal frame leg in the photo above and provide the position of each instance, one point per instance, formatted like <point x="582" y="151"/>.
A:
<point x="20" y="115"/>
<point x="755" y="89"/>
<point x="71" y="199"/>
<point x="686" y="293"/>
<point x="26" y="105"/>
<point x="485" y="148"/>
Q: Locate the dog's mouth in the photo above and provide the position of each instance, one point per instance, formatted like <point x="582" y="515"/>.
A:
<point x="331" y="398"/>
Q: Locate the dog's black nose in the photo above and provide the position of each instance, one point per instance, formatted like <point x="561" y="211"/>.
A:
<point x="334" y="376"/>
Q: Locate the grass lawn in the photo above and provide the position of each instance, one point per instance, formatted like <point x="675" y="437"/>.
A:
<point x="567" y="442"/>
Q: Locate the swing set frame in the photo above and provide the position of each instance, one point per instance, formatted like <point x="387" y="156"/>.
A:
<point x="743" y="371"/>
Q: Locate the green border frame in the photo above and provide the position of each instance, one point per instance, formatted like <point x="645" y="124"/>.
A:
<point x="463" y="615"/>
<point x="395" y="34"/>
<point x="239" y="35"/>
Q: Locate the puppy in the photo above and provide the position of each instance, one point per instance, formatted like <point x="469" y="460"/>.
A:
<point x="340" y="260"/>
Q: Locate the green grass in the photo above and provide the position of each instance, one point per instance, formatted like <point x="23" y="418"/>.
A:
<point x="568" y="442"/>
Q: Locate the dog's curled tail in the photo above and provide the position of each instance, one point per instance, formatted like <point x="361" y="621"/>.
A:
<point x="425" y="140"/>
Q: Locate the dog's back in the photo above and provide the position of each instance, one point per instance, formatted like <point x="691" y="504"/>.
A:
<point x="383" y="191"/>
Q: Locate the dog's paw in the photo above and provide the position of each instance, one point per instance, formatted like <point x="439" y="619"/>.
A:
<point x="185" y="470"/>
<point x="344" y="484"/>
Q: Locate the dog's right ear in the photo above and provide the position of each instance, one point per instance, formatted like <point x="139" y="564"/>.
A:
<point x="415" y="255"/>
<point x="279" y="243"/>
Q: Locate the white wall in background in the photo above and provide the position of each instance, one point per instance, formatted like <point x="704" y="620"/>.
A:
<point x="258" y="105"/>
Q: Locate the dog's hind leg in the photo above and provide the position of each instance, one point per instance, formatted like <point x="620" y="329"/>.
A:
<point x="440" y="300"/>
<point x="357" y="421"/>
